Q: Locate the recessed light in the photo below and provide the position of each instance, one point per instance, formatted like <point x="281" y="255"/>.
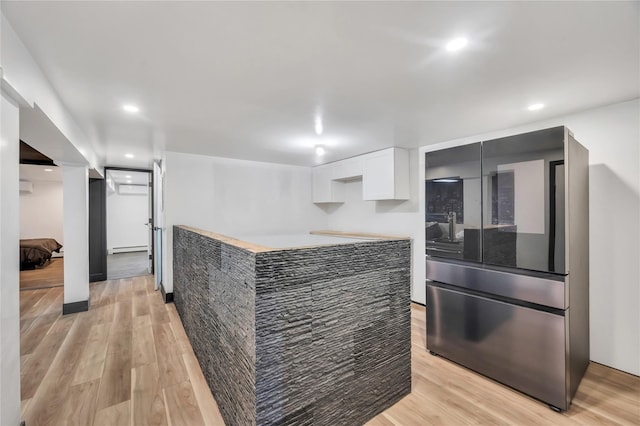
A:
<point x="129" y="155"/>
<point x="130" y="108"/>
<point x="535" y="107"/>
<point x="48" y="170"/>
<point x="128" y="176"/>
<point x="318" y="126"/>
<point x="128" y="180"/>
<point x="320" y="150"/>
<point x="456" y="44"/>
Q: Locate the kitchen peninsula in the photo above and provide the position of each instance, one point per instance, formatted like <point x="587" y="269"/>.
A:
<point x="297" y="329"/>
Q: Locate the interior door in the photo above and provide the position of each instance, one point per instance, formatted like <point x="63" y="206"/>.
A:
<point x="150" y="225"/>
<point x="158" y="206"/>
<point x="97" y="230"/>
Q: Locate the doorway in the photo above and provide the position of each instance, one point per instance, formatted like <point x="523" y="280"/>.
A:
<point x="129" y="222"/>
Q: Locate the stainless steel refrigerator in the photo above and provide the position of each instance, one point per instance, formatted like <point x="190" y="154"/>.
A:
<point x="507" y="260"/>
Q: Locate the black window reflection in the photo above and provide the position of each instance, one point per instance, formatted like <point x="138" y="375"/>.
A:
<point x="524" y="201"/>
<point x="453" y="202"/>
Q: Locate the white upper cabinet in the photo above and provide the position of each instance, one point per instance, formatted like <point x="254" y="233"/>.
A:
<point x="386" y="175"/>
<point x="325" y="188"/>
<point x="349" y="168"/>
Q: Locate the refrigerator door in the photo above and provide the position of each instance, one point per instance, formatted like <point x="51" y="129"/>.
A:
<point x="453" y="204"/>
<point x="521" y="347"/>
<point x="524" y="201"/>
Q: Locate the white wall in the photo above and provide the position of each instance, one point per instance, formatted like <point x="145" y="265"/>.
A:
<point x="75" y="181"/>
<point x="612" y="136"/>
<point x="235" y="197"/>
<point x="9" y="260"/>
<point x="385" y="217"/>
<point x="127" y="216"/>
<point x="41" y="211"/>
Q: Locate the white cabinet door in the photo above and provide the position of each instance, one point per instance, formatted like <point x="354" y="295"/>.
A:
<point x="325" y="188"/>
<point x="386" y="175"/>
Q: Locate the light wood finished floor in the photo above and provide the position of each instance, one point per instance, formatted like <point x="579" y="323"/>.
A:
<point x="127" y="361"/>
<point x="50" y="275"/>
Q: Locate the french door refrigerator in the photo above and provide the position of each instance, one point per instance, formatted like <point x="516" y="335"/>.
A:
<point x="507" y="260"/>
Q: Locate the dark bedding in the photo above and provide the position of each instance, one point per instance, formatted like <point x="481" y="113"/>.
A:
<point x="36" y="251"/>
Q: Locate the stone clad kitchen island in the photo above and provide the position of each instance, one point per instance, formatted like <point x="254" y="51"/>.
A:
<point x="297" y="329"/>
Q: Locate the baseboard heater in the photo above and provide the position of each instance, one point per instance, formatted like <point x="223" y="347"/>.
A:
<point x="116" y="250"/>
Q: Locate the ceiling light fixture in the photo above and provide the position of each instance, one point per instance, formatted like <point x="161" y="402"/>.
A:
<point x="318" y="126"/>
<point x="129" y="155"/>
<point x="456" y="44"/>
<point x="130" y="108"/>
<point x="128" y="176"/>
<point x="320" y="151"/>
<point x="48" y="170"/>
<point x="128" y="180"/>
<point x="535" y="107"/>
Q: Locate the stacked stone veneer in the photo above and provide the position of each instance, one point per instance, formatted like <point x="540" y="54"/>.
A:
<point x="317" y="335"/>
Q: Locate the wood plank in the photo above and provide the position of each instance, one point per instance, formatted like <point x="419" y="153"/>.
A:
<point x="93" y="357"/>
<point x="49" y="302"/>
<point x="103" y="314"/>
<point x="30" y="339"/>
<point x="170" y="361"/>
<point x="28" y="299"/>
<point x="125" y="289"/>
<point x="80" y="406"/>
<point x="24" y="406"/>
<point x="158" y="309"/>
<point x="54" y="389"/>
<point x="116" y="377"/>
<point x="115" y="386"/>
<point x="182" y="406"/>
<point x="115" y="415"/>
<point x="62" y="324"/>
<point x="147" y="400"/>
<point x="144" y="351"/>
<point x="140" y="303"/>
<point x="142" y="321"/>
<point x="36" y="367"/>
<point x="208" y="407"/>
<point x="182" y="341"/>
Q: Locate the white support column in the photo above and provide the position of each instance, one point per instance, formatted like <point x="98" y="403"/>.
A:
<point x="9" y="261"/>
<point x="75" y="187"/>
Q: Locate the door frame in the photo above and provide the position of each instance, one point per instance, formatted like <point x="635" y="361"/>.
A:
<point x="153" y="219"/>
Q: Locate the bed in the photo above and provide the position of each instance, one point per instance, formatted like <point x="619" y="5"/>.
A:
<point x="37" y="251"/>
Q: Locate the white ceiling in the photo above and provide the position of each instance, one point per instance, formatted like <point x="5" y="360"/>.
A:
<point x="246" y="80"/>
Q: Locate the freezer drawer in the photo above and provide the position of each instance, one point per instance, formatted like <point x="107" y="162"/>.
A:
<point x="521" y="347"/>
<point x="541" y="289"/>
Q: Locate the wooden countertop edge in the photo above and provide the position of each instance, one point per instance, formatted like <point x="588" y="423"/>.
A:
<point x="256" y="248"/>
<point x="362" y="235"/>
